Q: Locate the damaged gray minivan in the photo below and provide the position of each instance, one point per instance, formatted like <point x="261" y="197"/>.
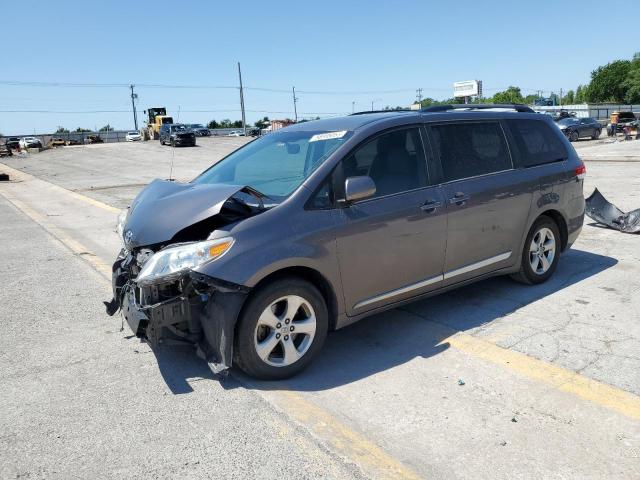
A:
<point x="320" y="224"/>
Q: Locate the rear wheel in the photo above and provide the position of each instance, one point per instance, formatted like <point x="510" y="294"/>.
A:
<point x="281" y="330"/>
<point x="541" y="252"/>
<point x="596" y="134"/>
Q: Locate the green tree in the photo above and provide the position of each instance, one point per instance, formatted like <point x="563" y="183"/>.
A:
<point x="106" y="128"/>
<point x="61" y="130"/>
<point x="264" y="123"/>
<point x="510" y="95"/>
<point x="213" y="124"/>
<point x="81" y="130"/>
<point x="237" y="124"/>
<point x="226" y="123"/>
<point x="632" y="81"/>
<point x="569" y="98"/>
<point x="580" y="94"/>
<point x="608" y="82"/>
<point x="530" y="99"/>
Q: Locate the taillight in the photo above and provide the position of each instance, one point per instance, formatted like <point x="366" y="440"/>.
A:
<point x="581" y="171"/>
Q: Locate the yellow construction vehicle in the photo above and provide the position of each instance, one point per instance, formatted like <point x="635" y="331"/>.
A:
<point x="157" y="116"/>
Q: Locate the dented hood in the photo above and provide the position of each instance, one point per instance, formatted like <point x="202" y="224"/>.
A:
<point x="164" y="208"/>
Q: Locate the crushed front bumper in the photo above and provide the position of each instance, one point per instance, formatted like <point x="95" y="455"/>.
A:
<point x="191" y="309"/>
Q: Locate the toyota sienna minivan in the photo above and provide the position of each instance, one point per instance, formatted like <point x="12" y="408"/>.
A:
<point x="320" y="224"/>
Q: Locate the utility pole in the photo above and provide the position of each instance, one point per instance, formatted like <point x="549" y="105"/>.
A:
<point x="419" y="95"/>
<point x="133" y="105"/>
<point x="244" y="123"/>
<point x="560" y="97"/>
<point x="295" y="100"/>
<point x="353" y="107"/>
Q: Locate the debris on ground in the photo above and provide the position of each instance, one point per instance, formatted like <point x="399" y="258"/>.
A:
<point x="4" y="177"/>
<point x="514" y="419"/>
<point x="460" y="381"/>
<point x="604" y="212"/>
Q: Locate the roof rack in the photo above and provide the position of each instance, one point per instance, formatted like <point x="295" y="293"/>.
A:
<point x="364" y="112"/>
<point x="518" y="107"/>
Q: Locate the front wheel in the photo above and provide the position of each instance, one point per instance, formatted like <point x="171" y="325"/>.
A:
<point x="281" y="330"/>
<point x="541" y="252"/>
<point x="573" y="136"/>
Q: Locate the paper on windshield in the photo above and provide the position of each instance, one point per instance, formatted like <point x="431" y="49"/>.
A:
<point x="327" y="136"/>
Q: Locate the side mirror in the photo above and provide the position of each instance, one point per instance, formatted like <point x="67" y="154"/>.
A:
<point x="359" y="188"/>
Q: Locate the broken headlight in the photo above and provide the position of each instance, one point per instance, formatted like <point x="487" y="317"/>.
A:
<point x="122" y="220"/>
<point x="176" y="259"/>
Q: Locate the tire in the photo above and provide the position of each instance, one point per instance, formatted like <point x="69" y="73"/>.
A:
<point x="173" y="143"/>
<point x="542" y="227"/>
<point x="267" y="321"/>
<point x="574" y="136"/>
<point x="596" y="134"/>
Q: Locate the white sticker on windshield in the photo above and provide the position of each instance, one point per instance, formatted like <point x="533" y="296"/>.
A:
<point x="327" y="136"/>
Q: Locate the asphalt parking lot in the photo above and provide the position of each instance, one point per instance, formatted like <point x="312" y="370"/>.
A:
<point x="494" y="380"/>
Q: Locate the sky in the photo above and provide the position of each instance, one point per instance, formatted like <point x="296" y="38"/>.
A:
<point x="333" y="52"/>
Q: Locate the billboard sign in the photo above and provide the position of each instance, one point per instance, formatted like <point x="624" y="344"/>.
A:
<point x="468" y="88"/>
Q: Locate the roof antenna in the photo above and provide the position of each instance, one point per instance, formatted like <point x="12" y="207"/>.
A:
<point x="173" y="151"/>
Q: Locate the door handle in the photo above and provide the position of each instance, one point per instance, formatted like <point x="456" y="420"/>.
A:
<point x="459" y="199"/>
<point x="430" y="206"/>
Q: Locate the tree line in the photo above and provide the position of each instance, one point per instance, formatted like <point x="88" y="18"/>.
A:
<point x="615" y="82"/>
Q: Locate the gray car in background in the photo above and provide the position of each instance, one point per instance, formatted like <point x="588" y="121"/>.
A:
<point x="323" y="223"/>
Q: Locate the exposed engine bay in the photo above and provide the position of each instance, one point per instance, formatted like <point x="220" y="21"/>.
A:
<point x="180" y="306"/>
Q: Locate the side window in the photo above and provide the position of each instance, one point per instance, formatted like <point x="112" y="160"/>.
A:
<point x="470" y="149"/>
<point x="536" y="143"/>
<point x="394" y="161"/>
<point x="323" y="199"/>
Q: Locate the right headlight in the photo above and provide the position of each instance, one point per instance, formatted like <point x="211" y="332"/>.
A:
<point x="175" y="260"/>
<point x="122" y="220"/>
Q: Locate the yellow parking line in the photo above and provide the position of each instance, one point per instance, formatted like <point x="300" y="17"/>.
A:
<point x="23" y="176"/>
<point x="373" y="461"/>
<point x="65" y="239"/>
<point x="563" y="380"/>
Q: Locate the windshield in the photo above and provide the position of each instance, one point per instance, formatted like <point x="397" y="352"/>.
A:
<point x="568" y="121"/>
<point x="197" y="125"/>
<point x="276" y="164"/>
<point x="133" y="133"/>
<point x="626" y="116"/>
<point x="177" y="128"/>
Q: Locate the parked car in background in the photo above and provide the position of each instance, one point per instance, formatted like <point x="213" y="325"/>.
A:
<point x="177" y="135"/>
<point x="13" y="143"/>
<point x="577" y="128"/>
<point x="30" y="142"/>
<point x="57" y="142"/>
<point x="133" y="137"/>
<point x="93" y="138"/>
<point x="199" y="129"/>
<point x="625" y="119"/>
<point x="236" y="133"/>
<point x="320" y="224"/>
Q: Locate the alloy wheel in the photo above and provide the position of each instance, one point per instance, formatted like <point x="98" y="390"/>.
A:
<point x="542" y="251"/>
<point x="285" y="330"/>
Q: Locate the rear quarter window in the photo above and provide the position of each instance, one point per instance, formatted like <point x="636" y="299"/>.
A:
<point x="535" y="143"/>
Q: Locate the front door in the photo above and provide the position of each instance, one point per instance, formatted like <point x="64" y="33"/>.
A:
<point x="487" y="200"/>
<point x="391" y="247"/>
